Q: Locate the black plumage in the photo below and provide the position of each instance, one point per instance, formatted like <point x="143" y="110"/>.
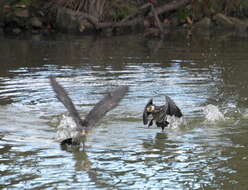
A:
<point x="109" y="102"/>
<point x="159" y="113"/>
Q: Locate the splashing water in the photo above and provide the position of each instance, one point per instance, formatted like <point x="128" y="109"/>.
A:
<point x="66" y="129"/>
<point x="175" y="122"/>
<point x="212" y="113"/>
<point x="245" y="114"/>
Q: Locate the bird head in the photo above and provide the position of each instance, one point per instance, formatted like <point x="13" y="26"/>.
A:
<point x="150" y="108"/>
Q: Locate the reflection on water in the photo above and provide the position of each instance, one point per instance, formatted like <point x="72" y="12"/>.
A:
<point x="121" y="153"/>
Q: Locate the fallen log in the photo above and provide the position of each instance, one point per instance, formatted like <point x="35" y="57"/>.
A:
<point x="138" y="20"/>
<point x="174" y="5"/>
<point x="131" y="20"/>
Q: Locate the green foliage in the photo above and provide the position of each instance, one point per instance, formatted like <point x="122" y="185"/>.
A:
<point x="121" y="9"/>
<point x="202" y="8"/>
<point x="182" y="14"/>
<point x="242" y="9"/>
<point x="25" y="2"/>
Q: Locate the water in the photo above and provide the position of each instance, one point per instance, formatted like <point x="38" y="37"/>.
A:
<point x="208" y="152"/>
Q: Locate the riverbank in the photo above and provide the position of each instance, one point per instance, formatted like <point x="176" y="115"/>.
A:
<point x="153" y="18"/>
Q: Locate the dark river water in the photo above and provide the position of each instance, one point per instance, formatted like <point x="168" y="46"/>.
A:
<point x="121" y="153"/>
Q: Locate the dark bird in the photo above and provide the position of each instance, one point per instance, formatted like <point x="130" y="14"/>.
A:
<point x="159" y="113"/>
<point x="109" y="102"/>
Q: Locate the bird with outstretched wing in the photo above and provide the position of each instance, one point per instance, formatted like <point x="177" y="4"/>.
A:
<point x="109" y="102"/>
<point x="159" y="113"/>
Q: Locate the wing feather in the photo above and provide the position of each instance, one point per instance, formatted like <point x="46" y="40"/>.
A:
<point x="62" y="96"/>
<point x="172" y="108"/>
<point x="109" y="102"/>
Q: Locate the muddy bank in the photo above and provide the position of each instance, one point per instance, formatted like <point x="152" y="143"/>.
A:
<point x="153" y="18"/>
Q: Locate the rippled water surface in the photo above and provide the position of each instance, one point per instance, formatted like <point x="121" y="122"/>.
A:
<point x="122" y="153"/>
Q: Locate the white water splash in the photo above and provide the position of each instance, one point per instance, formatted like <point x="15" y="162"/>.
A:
<point x="245" y="113"/>
<point x="212" y="113"/>
<point x="175" y="122"/>
<point x="66" y="129"/>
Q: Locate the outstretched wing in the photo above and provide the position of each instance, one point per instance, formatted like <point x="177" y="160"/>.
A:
<point x="145" y="113"/>
<point x="171" y="107"/>
<point x="62" y="95"/>
<point x="109" y="102"/>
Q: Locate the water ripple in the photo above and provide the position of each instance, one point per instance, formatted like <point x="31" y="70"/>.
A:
<point x="122" y="153"/>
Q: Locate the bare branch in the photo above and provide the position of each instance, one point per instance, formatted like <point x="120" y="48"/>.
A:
<point x="172" y="6"/>
<point x="130" y="20"/>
